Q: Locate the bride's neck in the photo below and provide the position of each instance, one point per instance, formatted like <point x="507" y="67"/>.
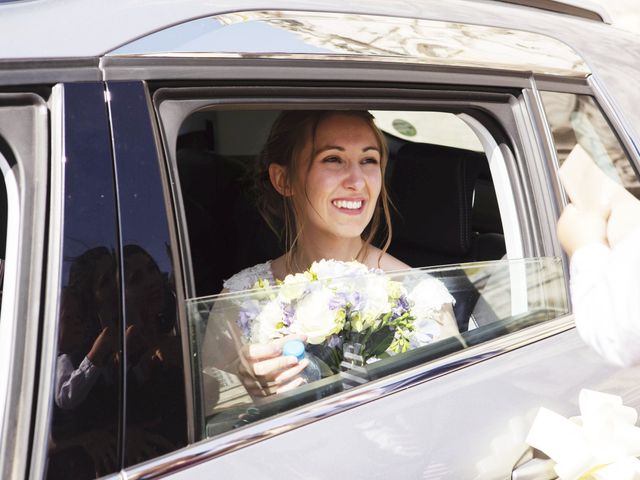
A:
<point x="308" y="251"/>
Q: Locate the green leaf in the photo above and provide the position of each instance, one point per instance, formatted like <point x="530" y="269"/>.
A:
<point x="378" y="342"/>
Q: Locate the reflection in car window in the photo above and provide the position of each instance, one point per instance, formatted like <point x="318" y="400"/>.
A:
<point x="446" y="213"/>
<point x="576" y="119"/>
<point x="84" y="434"/>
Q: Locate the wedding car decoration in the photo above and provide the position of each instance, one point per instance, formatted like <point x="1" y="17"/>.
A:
<point x="601" y="444"/>
<point x="335" y="302"/>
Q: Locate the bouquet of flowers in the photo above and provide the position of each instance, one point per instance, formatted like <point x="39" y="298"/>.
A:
<point x="335" y="302"/>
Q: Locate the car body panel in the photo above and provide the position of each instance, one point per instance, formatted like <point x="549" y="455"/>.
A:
<point x="444" y="428"/>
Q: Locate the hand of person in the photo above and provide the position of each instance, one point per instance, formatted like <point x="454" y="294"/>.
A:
<point x="264" y="371"/>
<point x="578" y="227"/>
<point x="103" y="346"/>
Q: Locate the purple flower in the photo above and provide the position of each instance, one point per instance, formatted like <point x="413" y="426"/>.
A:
<point x="245" y="321"/>
<point x="400" y="307"/>
<point x="339" y="300"/>
<point x="288" y="314"/>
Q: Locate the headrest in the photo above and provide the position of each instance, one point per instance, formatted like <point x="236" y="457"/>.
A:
<point x="432" y="188"/>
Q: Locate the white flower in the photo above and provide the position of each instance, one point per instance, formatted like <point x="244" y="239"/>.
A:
<point x="268" y="324"/>
<point x="329" y="269"/>
<point x="376" y="299"/>
<point x="426" y="331"/>
<point x="315" y="319"/>
<point x="602" y="443"/>
<point x="294" y="286"/>
<point x="263" y="290"/>
<point x="395" y="289"/>
<point x="428" y="297"/>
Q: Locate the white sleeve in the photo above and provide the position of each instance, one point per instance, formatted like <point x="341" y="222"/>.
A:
<point x="72" y="386"/>
<point x="605" y="292"/>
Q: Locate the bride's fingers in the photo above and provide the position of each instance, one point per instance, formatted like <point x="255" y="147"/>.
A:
<point x="263" y="351"/>
<point x="292" y="372"/>
<point x="269" y="369"/>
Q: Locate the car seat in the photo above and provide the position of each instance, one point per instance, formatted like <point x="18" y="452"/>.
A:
<point x="432" y="188"/>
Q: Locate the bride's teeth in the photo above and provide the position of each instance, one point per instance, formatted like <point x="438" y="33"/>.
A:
<point x="347" y="204"/>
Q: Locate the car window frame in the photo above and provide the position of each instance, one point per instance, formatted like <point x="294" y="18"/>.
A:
<point x="161" y="91"/>
<point x="24" y="128"/>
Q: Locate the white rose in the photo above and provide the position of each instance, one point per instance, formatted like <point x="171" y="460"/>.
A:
<point x="426" y="331"/>
<point x="268" y="324"/>
<point x="376" y="299"/>
<point x="315" y="319"/>
<point x="329" y="269"/>
<point x="428" y="297"/>
<point x="294" y="286"/>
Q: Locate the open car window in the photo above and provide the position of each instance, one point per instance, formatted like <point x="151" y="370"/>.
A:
<point x="455" y="221"/>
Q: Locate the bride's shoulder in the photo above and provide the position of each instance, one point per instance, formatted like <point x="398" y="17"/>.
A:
<point x="247" y="278"/>
<point x="386" y="262"/>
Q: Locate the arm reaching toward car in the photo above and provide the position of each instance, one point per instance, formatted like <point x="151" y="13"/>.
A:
<point x="600" y="230"/>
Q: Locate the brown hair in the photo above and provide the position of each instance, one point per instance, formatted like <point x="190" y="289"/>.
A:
<point x="289" y="134"/>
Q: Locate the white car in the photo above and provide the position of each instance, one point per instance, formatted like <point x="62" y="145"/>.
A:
<point x="127" y="130"/>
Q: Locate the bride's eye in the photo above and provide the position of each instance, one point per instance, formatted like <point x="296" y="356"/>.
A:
<point x="331" y="159"/>
<point x="370" y="160"/>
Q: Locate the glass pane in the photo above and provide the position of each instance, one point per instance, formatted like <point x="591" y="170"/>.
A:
<point x="576" y="119"/>
<point x="87" y="410"/>
<point x="360" y="327"/>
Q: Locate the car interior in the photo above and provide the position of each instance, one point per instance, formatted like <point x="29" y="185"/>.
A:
<point x="444" y="209"/>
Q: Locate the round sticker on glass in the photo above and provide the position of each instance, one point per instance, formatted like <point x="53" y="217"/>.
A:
<point x="404" y="127"/>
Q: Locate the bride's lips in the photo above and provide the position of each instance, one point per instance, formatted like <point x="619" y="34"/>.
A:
<point x="349" y="206"/>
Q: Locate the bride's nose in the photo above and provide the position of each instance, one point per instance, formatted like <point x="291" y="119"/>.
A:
<point x="354" y="177"/>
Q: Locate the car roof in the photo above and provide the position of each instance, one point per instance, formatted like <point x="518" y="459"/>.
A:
<point x="91" y="28"/>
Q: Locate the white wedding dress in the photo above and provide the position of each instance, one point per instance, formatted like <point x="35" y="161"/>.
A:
<point x="247" y="278"/>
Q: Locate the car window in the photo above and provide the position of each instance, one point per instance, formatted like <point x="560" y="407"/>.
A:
<point x="469" y="283"/>
<point x="577" y="119"/>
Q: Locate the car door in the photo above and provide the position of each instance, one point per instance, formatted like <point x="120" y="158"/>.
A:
<point x="447" y="413"/>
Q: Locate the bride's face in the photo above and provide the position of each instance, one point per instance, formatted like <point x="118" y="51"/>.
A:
<point x="343" y="181"/>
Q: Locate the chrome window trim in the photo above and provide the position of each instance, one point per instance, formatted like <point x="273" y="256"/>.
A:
<point x="504" y="189"/>
<point x="576" y="8"/>
<point x="210" y="449"/>
<point x="552" y="168"/>
<point x="179" y="248"/>
<point x="290" y="69"/>
<point x="340" y="36"/>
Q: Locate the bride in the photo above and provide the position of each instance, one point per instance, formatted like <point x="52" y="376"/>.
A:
<point x="320" y="178"/>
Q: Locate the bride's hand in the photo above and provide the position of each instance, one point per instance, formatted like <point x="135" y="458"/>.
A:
<point x="264" y="371"/>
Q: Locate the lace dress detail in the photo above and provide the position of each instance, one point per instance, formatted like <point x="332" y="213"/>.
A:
<point x="246" y="279"/>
